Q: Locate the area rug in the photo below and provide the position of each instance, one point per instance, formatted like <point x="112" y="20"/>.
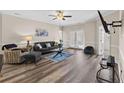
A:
<point x="59" y="57"/>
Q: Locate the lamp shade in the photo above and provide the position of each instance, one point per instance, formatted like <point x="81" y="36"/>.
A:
<point x="28" y="38"/>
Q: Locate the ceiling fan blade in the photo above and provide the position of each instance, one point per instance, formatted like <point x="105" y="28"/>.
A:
<point x="52" y="15"/>
<point x="63" y="18"/>
<point x="67" y="16"/>
<point x="54" y="18"/>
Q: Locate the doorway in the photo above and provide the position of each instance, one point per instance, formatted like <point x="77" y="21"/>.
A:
<point x="104" y="42"/>
<point x="76" y="39"/>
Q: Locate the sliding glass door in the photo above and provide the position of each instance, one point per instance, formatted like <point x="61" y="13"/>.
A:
<point x="76" y="39"/>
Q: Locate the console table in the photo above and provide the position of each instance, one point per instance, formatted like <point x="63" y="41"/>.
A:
<point x="108" y="64"/>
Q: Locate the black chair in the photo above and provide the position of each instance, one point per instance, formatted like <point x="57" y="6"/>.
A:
<point x="89" y="50"/>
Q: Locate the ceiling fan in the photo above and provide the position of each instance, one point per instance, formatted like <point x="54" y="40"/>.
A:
<point x="60" y="15"/>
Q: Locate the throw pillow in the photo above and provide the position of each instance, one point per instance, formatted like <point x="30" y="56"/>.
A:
<point x="38" y="45"/>
<point x="48" y="45"/>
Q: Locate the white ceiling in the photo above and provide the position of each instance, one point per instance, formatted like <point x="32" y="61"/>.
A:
<point x="78" y="16"/>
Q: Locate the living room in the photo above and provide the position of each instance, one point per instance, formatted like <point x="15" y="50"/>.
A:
<point x="79" y="29"/>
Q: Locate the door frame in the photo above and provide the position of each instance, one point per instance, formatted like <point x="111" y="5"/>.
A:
<point x="101" y="35"/>
<point x="75" y="39"/>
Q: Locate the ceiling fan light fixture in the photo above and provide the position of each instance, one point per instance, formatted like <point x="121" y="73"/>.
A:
<point x="60" y="15"/>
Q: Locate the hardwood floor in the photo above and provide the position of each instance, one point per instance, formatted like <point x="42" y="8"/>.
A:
<point x="78" y="68"/>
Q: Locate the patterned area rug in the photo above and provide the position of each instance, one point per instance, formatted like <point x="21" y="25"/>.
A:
<point x="59" y="57"/>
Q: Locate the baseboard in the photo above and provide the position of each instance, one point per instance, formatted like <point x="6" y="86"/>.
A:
<point x="75" y="48"/>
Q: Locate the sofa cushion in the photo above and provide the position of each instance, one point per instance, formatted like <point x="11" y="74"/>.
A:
<point x="54" y="47"/>
<point x="43" y="49"/>
<point x="43" y="44"/>
<point x="48" y="45"/>
<point x="39" y="46"/>
<point x="52" y="43"/>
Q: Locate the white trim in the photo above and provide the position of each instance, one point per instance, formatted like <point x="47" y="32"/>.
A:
<point x="115" y="46"/>
<point x="121" y="54"/>
<point x="120" y="64"/>
<point x="90" y="43"/>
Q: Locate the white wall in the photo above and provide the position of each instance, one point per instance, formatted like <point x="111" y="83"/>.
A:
<point x="14" y="29"/>
<point x="121" y="46"/>
<point x="89" y="29"/>
<point x="91" y="32"/>
<point x="117" y="38"/>
<point x="114" y="36"/>
<point x="0" y="32"/>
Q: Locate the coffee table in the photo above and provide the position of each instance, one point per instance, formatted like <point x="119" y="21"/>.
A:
<point x="59" y="52"/>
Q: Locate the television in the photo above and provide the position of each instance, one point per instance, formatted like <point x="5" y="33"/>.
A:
<point x="105" y="26"/>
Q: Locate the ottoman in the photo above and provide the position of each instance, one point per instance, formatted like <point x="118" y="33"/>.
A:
<point x="89" y="50"/>
<point x="32" y="57"/>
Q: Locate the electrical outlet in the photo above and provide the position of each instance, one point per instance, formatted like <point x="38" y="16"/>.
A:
<point x="121" y="71"/>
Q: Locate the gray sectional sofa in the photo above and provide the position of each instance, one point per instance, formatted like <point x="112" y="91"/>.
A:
<point x="45" y="47"/>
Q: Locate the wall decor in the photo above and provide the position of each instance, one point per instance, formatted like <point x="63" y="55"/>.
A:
<point x="41" y="32"/>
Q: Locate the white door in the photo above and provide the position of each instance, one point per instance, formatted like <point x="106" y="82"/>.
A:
<point x="107" y="44"/>
<point x="101" y="40"/>
<point x="72" y="39"/>
<point x="80" y="39"/>
<point x="76" y="39"/>
<point x="104" y="42"/>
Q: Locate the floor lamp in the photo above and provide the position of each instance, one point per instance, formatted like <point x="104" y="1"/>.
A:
<point x="28" y="39"/>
